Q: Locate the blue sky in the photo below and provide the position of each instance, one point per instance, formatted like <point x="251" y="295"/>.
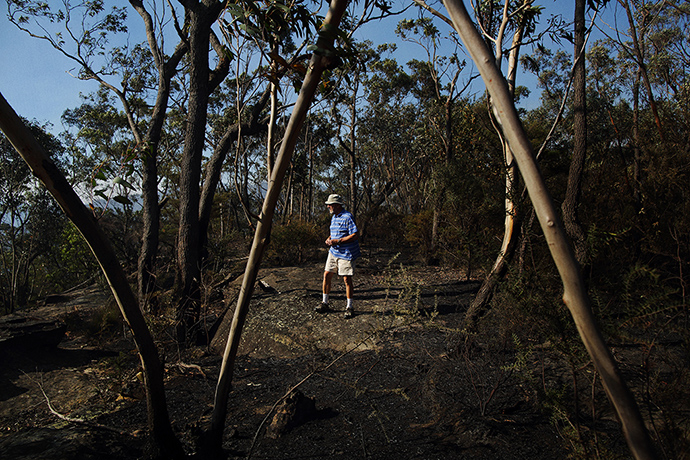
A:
<point x="35" y="79"/>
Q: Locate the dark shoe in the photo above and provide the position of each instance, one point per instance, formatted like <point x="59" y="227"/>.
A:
<point x="323" y="308"/>
<point x="349" y="313"/>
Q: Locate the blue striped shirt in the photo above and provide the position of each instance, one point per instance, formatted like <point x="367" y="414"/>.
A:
<point x="342" y="225"/>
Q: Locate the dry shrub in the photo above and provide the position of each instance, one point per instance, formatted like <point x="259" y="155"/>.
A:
<point x="293" y="243"/>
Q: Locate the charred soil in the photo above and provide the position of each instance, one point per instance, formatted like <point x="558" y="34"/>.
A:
<point x="399" y="380"/>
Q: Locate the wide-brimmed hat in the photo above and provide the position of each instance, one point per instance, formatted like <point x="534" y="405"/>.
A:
<point x="335" y="198"/>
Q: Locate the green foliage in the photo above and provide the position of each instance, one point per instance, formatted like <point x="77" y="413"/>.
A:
<point x="76" y="262"/>
<point x="30" y="224"/>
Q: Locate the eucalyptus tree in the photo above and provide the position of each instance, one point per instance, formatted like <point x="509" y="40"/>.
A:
<point x="268" y="30"/>
<point x="570" y="206"/>
<point x="437" y="86"/>
<point x="166" y="69"/>
<point x="164" y="442"/>
<point x="644" y="66"/>
<point x="571" y="220"/>
<point x="391" y="160"/>
<point x="347" y="98"/>
<point x="670" y="62"/>
<point x="30" y="225"/>
<point x="319" y="154"/>
<point x="496" y="20"/>
<point x="574" y="295"/>
<point x="322" y="58"/>
<point x="640" y="16"/>
<point x="144" y="112"/>
<point x="90" y="28"/>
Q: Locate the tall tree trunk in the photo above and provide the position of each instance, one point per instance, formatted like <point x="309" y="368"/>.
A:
<point x="164" y="442"/>
<point x="574" y="295"/>
<point x="270" y="139"/>
<point x="188" y="254"/>
<point x="513" y="220"/>
<point x="571" y="221"/>
<point x="353" y="146"/>
<point x="149" y="156"/>
<point x="316" y="67"/>
<point x="640" y="58"/>
<point x="150" y="206"/>
<point x="448" y="153"/>
<point x="215" y="165"/>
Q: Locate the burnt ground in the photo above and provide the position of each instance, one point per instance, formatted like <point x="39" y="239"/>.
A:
<point x="399" y="380"/>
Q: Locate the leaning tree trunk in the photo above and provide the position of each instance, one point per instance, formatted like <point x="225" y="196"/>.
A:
<point x="319" y="61"/>
<point x="574" y="295"/>
<point x="164" y="442"/>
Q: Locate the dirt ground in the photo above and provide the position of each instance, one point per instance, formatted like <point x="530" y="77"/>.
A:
<point x="396" y="381"/>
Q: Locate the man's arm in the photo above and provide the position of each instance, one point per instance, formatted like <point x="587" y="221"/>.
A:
<point x="343" y="240"/>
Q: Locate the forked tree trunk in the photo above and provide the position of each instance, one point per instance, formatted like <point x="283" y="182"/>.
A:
<point x="164" y="442"/>
<point x="512" y="223"/>
<point x="201" y="16"/>
<point x="317" y="65"/>
<point x="574" y="295"/>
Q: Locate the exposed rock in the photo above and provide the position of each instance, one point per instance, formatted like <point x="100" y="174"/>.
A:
<point x="67" y="444"/>
<point x="20" y="331"/>
<point x="295" y="410"/>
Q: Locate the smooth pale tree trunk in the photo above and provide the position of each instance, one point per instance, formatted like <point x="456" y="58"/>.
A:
<point x="318" y="63"/>
<point x="513" y="220"/>
<point x="574" y="295"/>
<point x="164" y="440"/>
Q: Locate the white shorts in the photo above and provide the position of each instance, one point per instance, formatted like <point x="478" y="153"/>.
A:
<point x="340" y="266"/>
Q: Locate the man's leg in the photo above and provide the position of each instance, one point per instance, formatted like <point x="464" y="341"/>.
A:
<point x="349" y="293"/>
<point x="327" y="278"/>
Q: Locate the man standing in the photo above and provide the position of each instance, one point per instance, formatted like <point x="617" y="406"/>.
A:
<point x="344" y="249"/>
